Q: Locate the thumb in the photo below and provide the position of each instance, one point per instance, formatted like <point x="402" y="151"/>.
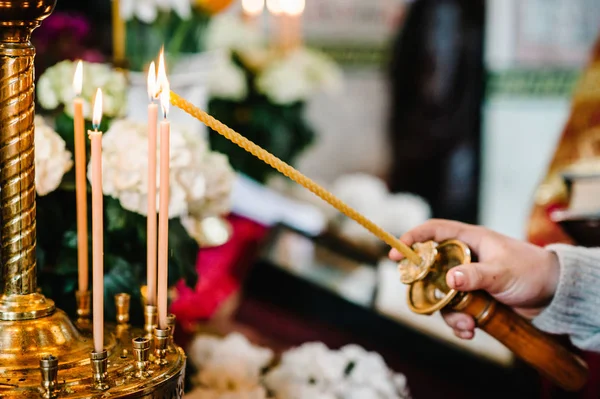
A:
<point x="477" y="276"/>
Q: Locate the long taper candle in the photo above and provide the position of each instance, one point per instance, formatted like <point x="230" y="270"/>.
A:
<point x="151" y="222"/>
<point x="80" y="182"/>
<point x="163" y="214"/>
<point x="295" y="175"/>
<point x="97" y="227"/>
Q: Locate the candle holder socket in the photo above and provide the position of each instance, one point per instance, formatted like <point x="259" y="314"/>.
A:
<point x="122" y="302"/>
<point x="150" y="319"/>
<point x="141" y="352"/>
<point x="171" y="322"/>
<point x="99" y="362"/>
<point x="49" y="371"/>
<point x="161" y="344"/>
<point x="83" y="304"/>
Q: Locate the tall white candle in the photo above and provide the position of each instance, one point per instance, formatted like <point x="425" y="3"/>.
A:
<point x="97" y="227"/>
<point x="80" y="181"/>
<point x="151" y="220"/>
<point x="163" y="213"/>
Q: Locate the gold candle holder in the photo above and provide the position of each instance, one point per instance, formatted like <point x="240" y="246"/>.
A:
<point x="122" y="302"/>
<point x="83" y="304"/>
<point x="99" y="362"/>
<point x="49" y="371"/>
<point x="171" y="322"/>
<point x="161" y="345"/>
<point x="30" y="324"/>
<point x="150" y="319"/>
<point x="141" y="353"/>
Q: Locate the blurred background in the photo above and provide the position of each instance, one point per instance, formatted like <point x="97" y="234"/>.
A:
<point x="437" y="96"/>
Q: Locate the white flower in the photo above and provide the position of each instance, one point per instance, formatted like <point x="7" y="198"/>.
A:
<point x="229" y="365"/>
<point x="52" y="159"/>
<point x="297" y="76"/>
<point x="312" y="365"/>
<point x="225" y="32"/>
<point x="314" y="371"/>
<point x="125" y="166"/>
<point x="147" y="10"/>
<point x="228" y="81"/>
<point x="55" y="88"/>
<point x="219" y="177"/>
<point x="369" y="195"/>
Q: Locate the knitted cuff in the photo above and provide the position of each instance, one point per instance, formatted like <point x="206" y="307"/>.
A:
<point x="575" y="308"/>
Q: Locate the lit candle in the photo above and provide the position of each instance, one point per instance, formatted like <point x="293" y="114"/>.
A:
<point x="97" y="229"/>
<point x="293" y="10"/>
<point x="151" y="222"/>
<point x="251" y="10"/>
<point x="80" y="182"/>
<point x="163" y="213"/>
<point x="277" y="26"/>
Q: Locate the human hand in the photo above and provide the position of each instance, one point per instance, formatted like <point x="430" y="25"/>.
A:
<point x="516" y="273"/>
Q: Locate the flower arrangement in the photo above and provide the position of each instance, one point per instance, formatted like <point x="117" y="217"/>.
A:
<point x="233" y="368"/>
<point x="179" y="25"/>
<point x="201" y="181"/>
<point x="262" y="92"/>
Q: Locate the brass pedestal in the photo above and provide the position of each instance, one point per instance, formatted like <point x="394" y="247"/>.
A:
<point x="42" y="353"/>
<point x="25" y="343"/>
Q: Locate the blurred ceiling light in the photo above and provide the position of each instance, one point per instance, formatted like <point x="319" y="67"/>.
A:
<point x="274" y="7"/>
<point x="253" y="7"/>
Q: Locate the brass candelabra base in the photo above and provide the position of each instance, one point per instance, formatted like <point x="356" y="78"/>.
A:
<point x="26" y="342"/>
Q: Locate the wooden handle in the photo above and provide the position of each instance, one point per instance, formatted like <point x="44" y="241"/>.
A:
<point x="536" y="348"/>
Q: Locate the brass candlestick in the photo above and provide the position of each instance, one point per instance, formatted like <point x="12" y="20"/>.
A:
<point x="83" y="304"/>
<point x="42" y="351"/>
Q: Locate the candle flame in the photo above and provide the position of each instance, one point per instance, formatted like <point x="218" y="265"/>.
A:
<point x="274" y="7"/>
<point x="78" y="79"/>
<point x="152" y="89"/>
<point x="253" y="7"/>
<point x="164" y="87"/>
<point x="293" y="7"/>
<point x="97" y="115"/>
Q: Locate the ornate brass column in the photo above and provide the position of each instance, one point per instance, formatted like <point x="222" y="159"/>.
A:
<point x="18" y="300"/>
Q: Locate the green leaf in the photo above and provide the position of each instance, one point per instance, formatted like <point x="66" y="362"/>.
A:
<point x="183" y="251"/>
<point x="115" y="216"/>
<point x="123" y="277"/>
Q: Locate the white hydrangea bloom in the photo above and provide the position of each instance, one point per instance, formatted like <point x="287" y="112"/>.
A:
<point x="230" y="365"/>
<point x="125" y="165"/>
<point x="203" y="393"/>
<point x="52" y="159"/>
<point x="228" y="80"/>
<point x="314" y="371"/>
<point x="311" y="365"/>
<point x="219" y="177"/>
<point x="298" y="75"/>
<point x="396" y="213"/>
<point x="226" y="32"/>
<point x="231" y="368"/>
<point x="147" y="10"/>
<point x="55" y="88"/>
